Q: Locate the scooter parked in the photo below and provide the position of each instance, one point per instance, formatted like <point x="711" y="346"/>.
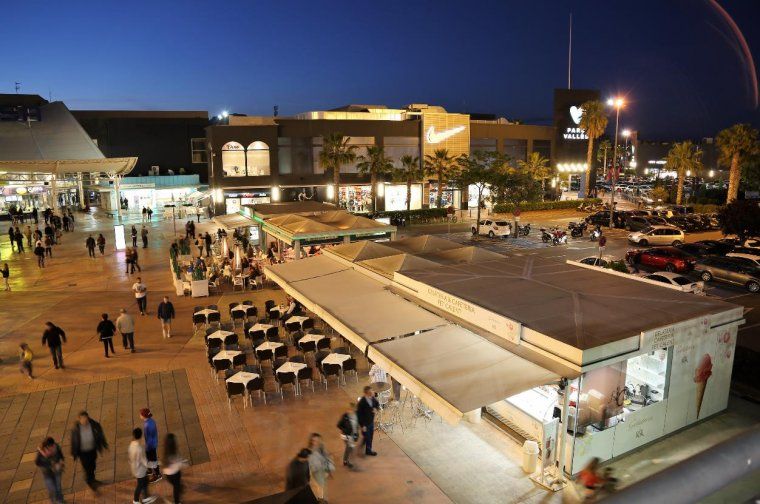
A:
<point x="577" y="229"/>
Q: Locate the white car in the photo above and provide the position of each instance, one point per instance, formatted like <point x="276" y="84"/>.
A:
<point x="657" y="235"/>
<point x="676" y="280"/>
<point x="746" y="259"/>
<point x="596" y="261"/>
<point x="493" y="228"/>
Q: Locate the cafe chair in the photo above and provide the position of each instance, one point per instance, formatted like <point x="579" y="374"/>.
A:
<point x="342" y="350"/>
<point x="210" y="353"/>
<point x="329" y="370"/>
<point x="279" y="361"/>
<point x="268" y="305"/>
<point x="196" y="309"/>
<point x="323" y="344"/>
<point x="234" y="389"/>
<point x="257" y="335"/>
<point x="213" y="307"/>
<point x="231" y="339"/>
<point x="307" y="324"/>
<point x="320" y="356"/>
<point x="231" y="306"/>
<point x="263" y="356"/>
<point x="214" y="318"/>
<point x="281" y="352"/>
<point x="251" y="313"/>
<point x="227" y="326"/>
<point x="220" y="365"/>
<point x="238" y="282"/>
<point x="283" y="379"/>
<point x="306" y="373"/>
<point x="240" y="360"/>
<point x="273" y="334"/>
<point x="246" y="328"/>
<point x="349" y="365"/>
<point x="234" y="347"/>
<point x="229" y="373"/>
<point x="198" y="320"/>
<point x="238" y="316"/>
<point x="246" y="302"/>
<point x="256" y="385"/>
<point x="306" y="347"/>
<point x="297" y="358"/>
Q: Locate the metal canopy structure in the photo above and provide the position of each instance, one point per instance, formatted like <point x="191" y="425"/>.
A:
<point x="233" y="221"/>
<point x="335" y="224"/>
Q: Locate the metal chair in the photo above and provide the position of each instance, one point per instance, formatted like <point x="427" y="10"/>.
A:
<point x="297" y="358"/>
<point x="248" y="368"/>
<point x="220" y="365"/>
<point x="198" y="320"/>
<point x="240" y="360"/>
<point x="232" y="347"/>
<point x="246" y="302"/>
<point x="268" y="305"/>
<point x="342" y="350"/>
<point x="251" y="313"/>
<point x="228" y="373"/>
<point x="307" y="324"/>
<point x="238" y="316"/>
<point x="350" y="365"/>
<point x="231" y="306"/>
<point x="273" y="334"/>
<point x="258" y="334"/>
<point x="214" y="318"/>
<point x="231" y="339"/>
<point x="285" y="379"/>
<point x="320" y="356"/>
<point x="329" y="370"/>
<point x="306" y="373"/>
<point x="323" y="344"/>
<point x="213" y="307"/>
<point x="234" y="389"/>
<point x="196" y="309"/>
<point x="247" y="327"/>
<point x="257" y="384"/>
<point x="262" y="356"/>
<point x="281" y="352"/>
<point x="307" y="346"/>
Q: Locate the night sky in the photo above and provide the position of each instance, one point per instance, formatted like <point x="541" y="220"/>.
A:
<point x="679" y="62"/>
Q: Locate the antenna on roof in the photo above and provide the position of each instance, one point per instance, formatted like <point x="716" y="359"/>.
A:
<point x="50" y="95"/>
<point x="18" y="87"/>
<point x="570" y="54"/>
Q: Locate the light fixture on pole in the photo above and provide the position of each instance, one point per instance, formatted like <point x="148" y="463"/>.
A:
<point x="618" y="103"/>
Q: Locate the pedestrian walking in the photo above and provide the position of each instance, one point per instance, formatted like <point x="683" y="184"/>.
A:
<point x="173" y="465"/>
<point x="166" y="314"/>
<point x="144" y="234"/>
<point x="207" y="241"/>
<point x="297" y="473"/>
<point x="106" y="330"/>
<point x="54" y="338"/>
<point x="50" y="461"/>
<point x="134" y="236"/>
<point x="6" y="276"/>
<point x="101" y="243"/>
<point x="87" y="441"/>
<point x="65" y="222"/>
<point x="19" y="240"/>
<point x="12" y="237"/>
<point x="365" y="412"/>
<point x="28" y="234"/>
<point x="141" y="295"/>
<point x="135" y="263"/>
<point x="125" y="324"/>
<point x="349" y="432"/>
<point x="71" y="220"/>
<point x="48" y="247"/>
<point x="90" y="244"/>
<point x="151" y="444"/>
<point x="138" y="463"/>
<point x="321" y="466"/>
<point x="144" y="214"/>
<point x="150" y="214"/>
<point x="39" y="251"/>
<point x="35" y="215"/>
<point x="25" y="357"/>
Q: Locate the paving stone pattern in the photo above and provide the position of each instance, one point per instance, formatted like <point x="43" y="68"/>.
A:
<point x="29" y="418"/>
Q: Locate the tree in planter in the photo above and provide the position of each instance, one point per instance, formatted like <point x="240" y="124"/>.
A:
<point x="684" y="157"/>
<point x="374" y="163"/>
<point x="480" y="169"/>
<point x="735" y="145"/>
<point x="442" y="166"/>
<point x="538" y="167"/>
<point x="409" y="172"/>
<point x="660" y="195"/>
<point x="593" y="122"/>
<point x="740" y="218"/>
<point x="336" y="151"/>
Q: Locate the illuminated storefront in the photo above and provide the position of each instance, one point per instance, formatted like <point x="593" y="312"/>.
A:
<point x="395" y="197"/>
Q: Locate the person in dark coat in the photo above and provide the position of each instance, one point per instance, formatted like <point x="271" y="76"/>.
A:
<point x="19" y="237"/>
<point x="50" y="461"/>
<point x="297" y="474"/>
<point x="365" y="412"/>
<point x="106" y="330"/>
<point x="54" y="337"/>
<point x="87" y="441"/>
<point x="90" y="244"/>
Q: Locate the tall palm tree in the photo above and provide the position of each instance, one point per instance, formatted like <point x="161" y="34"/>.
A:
<point x="537" y="166"/>
<point x="735" y="145"/>
<point x="682" y="158"/>
<point x="603" y="153"/>
<point x="593" y="122"/>
<point x="442" y="166"/>
<point x="374" y="163"/>
<point x="409" y="172"/>
<point x="336" y="152"/>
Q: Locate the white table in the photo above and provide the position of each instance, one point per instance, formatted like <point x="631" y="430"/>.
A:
<point x="241" y="307"/>
<point x="297" y="318"/>
<point x="336" y="358"/>
<point x="292" y="367"/>
<point x="226" y="354"/>
<point x="260" y="327"/>
<point x="220" y="335"/>
<point x="269" y="345"/>
<point x="316" y="338"/>
<point x="206" y="312"/>
<point x="242" y="377"/>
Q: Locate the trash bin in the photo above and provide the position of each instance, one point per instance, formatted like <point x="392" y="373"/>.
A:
<point x="530" y="456"/>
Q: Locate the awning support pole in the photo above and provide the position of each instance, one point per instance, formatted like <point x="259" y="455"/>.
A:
<point x="297" y="248"/>
<point x="80" y="191"/>
<point x="116" y="185"/>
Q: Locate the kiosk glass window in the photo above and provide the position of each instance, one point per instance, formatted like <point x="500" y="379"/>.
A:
<point x="233" y="160"/>
<point x="258" y="159"/>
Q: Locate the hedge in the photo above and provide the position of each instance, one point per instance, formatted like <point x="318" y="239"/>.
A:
<point x="543" y="205"/>
<point x="412" y="215"/>
<point x="699" y="208"/>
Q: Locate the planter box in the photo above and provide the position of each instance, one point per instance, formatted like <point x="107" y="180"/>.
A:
<point x="200" y="288"/>
<point x="179" y="287"/>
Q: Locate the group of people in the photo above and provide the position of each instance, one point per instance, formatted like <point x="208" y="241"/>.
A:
<point x="91" y="242"/>
<point x="41" y="241"/>
<point x="314" y="465"/>
<point x="88" y="441"/>
<point x="143" y="234"/>
<point x="147" y="214"/>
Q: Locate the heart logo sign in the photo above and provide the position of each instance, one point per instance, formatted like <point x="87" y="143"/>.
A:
<point x="576" y="113"/>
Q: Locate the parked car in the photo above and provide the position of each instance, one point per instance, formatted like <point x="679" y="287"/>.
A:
<point x="664" y="258"/>
<point x="696" y="249"/>
<point x="596" y="261"/>
<point x="602" y="218"/>
<point x="753" y="243"/>
<point x="747" y="250"/>
<point x="657" y="235"/>
<point x="682" y="223"/>
<point x="493" y="228"/>
<point x="676" y="280"/>
<point x="638" y="222"/>
<point x="718" y="247"/>
<point x="729" y="270"/>
<point x="746" y="259"/>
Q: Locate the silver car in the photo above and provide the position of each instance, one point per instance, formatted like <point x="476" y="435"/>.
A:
<point x="657" y="235"/>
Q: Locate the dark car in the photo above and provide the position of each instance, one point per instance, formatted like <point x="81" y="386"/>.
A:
<point x="639" y="222"/>
<point x="717" y="247"/>
<point x="696" y="249"/>
<point x="602" y="218"/>
<point x="662" y="258"/>
<point x="729" y="270"/>
<point x="682" y="223"/>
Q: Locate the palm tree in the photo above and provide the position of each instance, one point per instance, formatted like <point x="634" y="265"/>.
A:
<point x="336" y="151"/>
<point x="374" y="163"/>
<point x="603" y="153"/>
<point x="409" y="172"/>
<point x="683" y="157"/>
<point x="736" y="144"/>
<point x="537" y="166"/>
<point x="442" y="166"/>
<point x="593" y="122"/>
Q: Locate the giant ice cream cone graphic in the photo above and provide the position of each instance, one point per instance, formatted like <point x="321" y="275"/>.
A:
<point x="701" y="375"/>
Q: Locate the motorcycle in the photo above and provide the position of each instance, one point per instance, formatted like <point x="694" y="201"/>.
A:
<point x="577" y="229"/>
<point x="522" y="230"/>
<point x="596" y="233"/>
<point x="546" y="236"/>
<point x="555" y="236"/>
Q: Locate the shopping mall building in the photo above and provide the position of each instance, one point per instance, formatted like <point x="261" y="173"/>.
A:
<point x="266" y="159"/>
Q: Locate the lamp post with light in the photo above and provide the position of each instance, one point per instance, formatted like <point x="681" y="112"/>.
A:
<point x="618" y="104"/>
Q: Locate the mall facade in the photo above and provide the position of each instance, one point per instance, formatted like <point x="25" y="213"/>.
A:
<point x="268" y="159"/>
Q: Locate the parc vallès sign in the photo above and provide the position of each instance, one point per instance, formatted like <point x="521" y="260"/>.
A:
<point x="575" y="132"/>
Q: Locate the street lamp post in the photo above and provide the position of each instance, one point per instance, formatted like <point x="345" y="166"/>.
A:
<point x="618" y="104"/>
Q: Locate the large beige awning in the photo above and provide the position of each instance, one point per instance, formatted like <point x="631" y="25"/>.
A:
<point x="117" y="166"/>
<point x="336" y="224"/>
<point x="233" y="221"/>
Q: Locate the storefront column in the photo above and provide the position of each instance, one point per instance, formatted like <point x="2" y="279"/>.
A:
<point x="54" y="193"/>
<point x="297" y="249"/>
<point x="346" y="239"/>
<point x="80" y="191"/>
<point x="473" y="416"/>
<point x="393" y="235"/>
<point x="116" y="187"/>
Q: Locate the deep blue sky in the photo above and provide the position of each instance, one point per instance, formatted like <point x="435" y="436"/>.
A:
<point x="675" y="59"/>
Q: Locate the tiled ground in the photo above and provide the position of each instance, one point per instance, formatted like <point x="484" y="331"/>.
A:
<point x="30" y="417"/>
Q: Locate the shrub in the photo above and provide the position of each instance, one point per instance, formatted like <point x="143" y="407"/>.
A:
<point x="543" y="205"/>
<point x="412" y="215"/>
<point x="618" y="265"/>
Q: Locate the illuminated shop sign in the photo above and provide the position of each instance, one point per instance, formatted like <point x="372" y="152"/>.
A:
<point x="575" y="132"/>
<point x="435" y="137"/>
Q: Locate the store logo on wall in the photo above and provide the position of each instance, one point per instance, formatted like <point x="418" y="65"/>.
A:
<point x="574" y="132"/>
<point x="434" y="137"/>
<point x="576" y="113"/>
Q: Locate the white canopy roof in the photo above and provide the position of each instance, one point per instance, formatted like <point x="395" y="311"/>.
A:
<point x="232" y="221"/>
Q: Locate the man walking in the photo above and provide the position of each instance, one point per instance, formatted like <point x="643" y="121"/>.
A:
<point x="207" y="241"/>
<point x="138" y="463"/>
<point x="151" y="444"/>
<point x="166" y="314"/>
<point x="19" y="240"/>
<point x="125" y="324"/>
<point x="134" y="236"/>
<point x="106" y="330"/>
<point x="365" y="413"/>
<point x="90" y="244"/>
<point x="141" y="294"/>
<point x="54" y="337"/>
<point x="102" y="243"/>
<point x="144" y="234"/>
<point x="87" y="440"/>
<point x="349" y="432"/>
<point x="297" y="474"/>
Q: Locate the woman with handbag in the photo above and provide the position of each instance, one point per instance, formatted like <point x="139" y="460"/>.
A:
<point x="50" y="461"/>
<point x="349" y="433"/>
<point x="321" y="466"/>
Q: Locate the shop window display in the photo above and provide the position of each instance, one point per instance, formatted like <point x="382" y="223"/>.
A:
<point x="356" y="199"/>
<point x="233" y="160"/>
<point x="257" y="159"/>
<point x="395" y="197"/>
<point x="451" y="197"/>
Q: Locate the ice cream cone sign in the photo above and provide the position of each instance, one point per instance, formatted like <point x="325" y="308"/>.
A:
<point x="701" y="375"/>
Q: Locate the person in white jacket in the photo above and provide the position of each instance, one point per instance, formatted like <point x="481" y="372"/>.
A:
<point x="138" y="463"/>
